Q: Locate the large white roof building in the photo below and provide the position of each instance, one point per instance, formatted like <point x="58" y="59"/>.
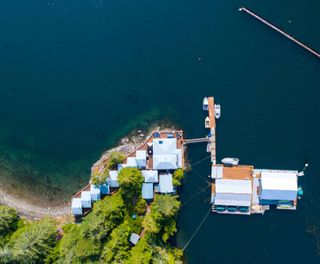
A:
<point x="277" y="185"/>
<point x="165" y="154"/>
<point x="233" y="192"/>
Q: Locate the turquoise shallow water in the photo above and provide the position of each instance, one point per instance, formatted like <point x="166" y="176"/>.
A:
<point x="77" y="75"/>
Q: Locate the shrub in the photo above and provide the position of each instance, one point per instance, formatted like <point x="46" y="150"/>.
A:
<point x="178" y="175"/>
<point x="115" y="158"/>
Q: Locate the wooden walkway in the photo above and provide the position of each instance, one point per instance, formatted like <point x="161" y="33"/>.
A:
<point x="212" y="118"/>
<point x="196" y="140"/>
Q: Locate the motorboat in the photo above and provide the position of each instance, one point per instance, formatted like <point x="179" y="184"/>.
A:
<point x="217" y="110"/>
<point x="230" y="161"/>
<point x="209" y="147"/>
<point x="205" y="104"/>
<point x="207" y="122"/>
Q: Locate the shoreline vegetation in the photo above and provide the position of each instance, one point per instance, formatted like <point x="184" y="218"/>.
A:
<point x="31" y="208"/>
<point x="102" y="235"/>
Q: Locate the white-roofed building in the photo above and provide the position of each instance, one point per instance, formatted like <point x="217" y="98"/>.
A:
<point x="150" y="175"/>
<point x="147" y="191"/>
<point x="165" y="183"/>
<point x="277" y="185"/>
<point x="165" y="162"/>
<point x="134" y="238"/>
<point x="233" y="192"/>
<point x="166" y="156"/>
<point x="76" y="206"/>
<point x="164" y="146"/>
<point x="86" y="199"/>
<point x="95" y="192"/>
<point x="141" y="158"/>
<point x="131" y="162"/>
<point x="113" y="179"/>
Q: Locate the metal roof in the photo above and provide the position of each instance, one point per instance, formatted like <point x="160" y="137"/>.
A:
<point x="165" y="162"/>
<point x="76" y="203"/>
<point x="279" y="181"/>
<point x="134" y="238"/>
<point x="150" y="175"/>
<point x="113" y="179"/>
<point x="131" y="162"/>
<point x="233" y="199"/>
<point x="233" y="186"/>
<point x="165" y="183"/>
<point x="164" y="145"/>
<point x="147" y="191"/>
<point x="141" y="154"/>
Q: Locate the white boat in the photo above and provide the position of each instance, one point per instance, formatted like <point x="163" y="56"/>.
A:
<point x="230" y="161"/>
<point x="205" y="104"/>
<point x="209" y="147"/>
<point x="207" y="122"/>
<point x="217" y="110"/>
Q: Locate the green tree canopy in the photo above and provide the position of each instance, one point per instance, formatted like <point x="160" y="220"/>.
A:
<point x="141" y="253"/>
<point x="31" y="243"/>
<point x="117" y="249"/>
<point x="161" y="220"/>
<point x="83" y="242"/>
<point x="115" y="158"/>
<point x="178" y="175"/>
<point x="98" y="178"/>
<point x="8" y="220"/>
<point x="130" y="180"/>
<point x="167" y="256"/>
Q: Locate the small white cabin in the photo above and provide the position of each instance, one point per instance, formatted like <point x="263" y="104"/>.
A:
<point x="113" y="179"/>
<point x="147" y="191"/>
<point x="141" y="158"/>
<point x="76" y="207"/>
<point x="86" y="199"/>
<point x="95" y="192"/>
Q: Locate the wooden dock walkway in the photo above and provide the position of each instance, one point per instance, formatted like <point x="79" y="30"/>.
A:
<point x="211" y="110"/>
<point x="196" y="140"/>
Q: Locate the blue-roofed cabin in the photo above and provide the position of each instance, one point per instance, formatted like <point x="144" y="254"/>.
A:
<point x="105" y="189"/>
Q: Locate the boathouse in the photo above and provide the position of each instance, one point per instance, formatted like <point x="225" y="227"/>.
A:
<point x="278" y="186"/>
<point x="233" y="194"/>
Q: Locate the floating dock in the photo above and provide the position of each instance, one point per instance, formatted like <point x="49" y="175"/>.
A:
<point x="252" y="14"/>
<point x="211" y="112"/>
<point x="244" y="190"/>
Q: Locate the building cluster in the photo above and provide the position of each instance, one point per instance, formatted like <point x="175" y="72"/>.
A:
<point x="157" y="159"/>
<point x="245" y="190"/>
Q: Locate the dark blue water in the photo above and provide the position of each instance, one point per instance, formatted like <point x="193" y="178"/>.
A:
<point x="75" y="76"/>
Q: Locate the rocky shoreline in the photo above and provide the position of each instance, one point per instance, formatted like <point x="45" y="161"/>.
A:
<point x="28" y="209"/>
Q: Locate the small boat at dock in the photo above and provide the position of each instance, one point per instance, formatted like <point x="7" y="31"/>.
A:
<point x="205" y="104"/>
<point x="207" y="122"/>
<point x="209" y="147"/>
<point x="217" y="110"/>
<point x="230" y="161"/>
